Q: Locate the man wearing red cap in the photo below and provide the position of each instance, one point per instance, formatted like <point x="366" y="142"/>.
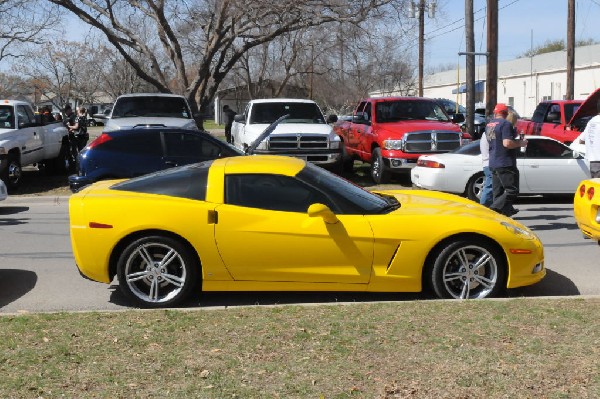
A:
<point x="503" y="161"/>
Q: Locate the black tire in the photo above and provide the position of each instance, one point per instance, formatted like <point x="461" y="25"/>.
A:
<point x="12" y="173"/>
<point x="475" y="187"/>
<point x="468" y="270"/>
<point x="347" y="160"/>
<point x="91" y="122"/>
<point x="379" y="172"/>
<point x="157" y="285"/>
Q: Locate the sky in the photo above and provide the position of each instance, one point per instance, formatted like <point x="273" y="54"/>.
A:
<point x="518" y="22"/>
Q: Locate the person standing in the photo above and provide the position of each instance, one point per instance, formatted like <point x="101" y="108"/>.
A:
<point x="503" y="161"/>
<point x="229" y="115"/>
<point x="487" y="196"/>
<point x="591" y="138"/>
<point x="80" y="128"/>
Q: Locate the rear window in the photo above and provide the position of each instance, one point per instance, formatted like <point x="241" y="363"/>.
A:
<point x="469" y="149"/>
<point x="185" y="182"/>
<point x="139" y="143"/>
<point x="151" y="106"/>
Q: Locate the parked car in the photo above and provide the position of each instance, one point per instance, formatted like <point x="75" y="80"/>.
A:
<point x="546" y="167"/>
<point x="586" y="207"/>
<point x="269" y="222"/>
<point x="99" y="119"/>
<point x="133" y="152"/>
<point x="158" y="109"/>
<point x="479" y="120"/>
<point x="3" y="192"/>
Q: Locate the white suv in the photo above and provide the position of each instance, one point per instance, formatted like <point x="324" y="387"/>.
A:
<point x="150" y="109"/>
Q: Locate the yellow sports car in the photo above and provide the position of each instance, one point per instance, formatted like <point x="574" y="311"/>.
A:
<point x="586" y="206"/>
<point x="269" y="223"/>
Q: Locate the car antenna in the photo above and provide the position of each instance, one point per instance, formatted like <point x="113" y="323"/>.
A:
<point x="264" y="135"/>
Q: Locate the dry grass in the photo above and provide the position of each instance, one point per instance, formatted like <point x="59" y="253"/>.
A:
<point x="525" y="348"/>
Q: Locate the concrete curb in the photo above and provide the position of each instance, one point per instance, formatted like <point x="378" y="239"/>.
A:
<point x="35" y="199"/>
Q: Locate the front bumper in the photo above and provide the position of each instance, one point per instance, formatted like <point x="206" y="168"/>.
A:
<point x="319" y="157"/>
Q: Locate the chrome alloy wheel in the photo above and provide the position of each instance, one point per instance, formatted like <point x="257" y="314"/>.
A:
<point x="155" y="272"/>
<point x="470" y="272"/>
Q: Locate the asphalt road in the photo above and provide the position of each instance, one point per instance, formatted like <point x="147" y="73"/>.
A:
<point x="38" y="274"/>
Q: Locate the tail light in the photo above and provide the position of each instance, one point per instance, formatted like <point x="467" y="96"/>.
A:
<point x="590" y="193"/>
<point x="103" y="138"/>
<point x="582" y="190"/>
<point x="429" y="164"/>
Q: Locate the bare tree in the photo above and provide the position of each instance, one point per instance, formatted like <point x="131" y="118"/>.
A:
<point x="191" y="46"/>
<point x="24" y="21"/>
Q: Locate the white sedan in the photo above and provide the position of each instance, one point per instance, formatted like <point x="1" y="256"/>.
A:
<point x="546" y="167"/>
<point x="3" y="194"/>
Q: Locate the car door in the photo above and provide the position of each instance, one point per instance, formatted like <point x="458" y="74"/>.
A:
<point x="265" y="234"/>
<point x="549" y="167"/>
<point x="31" y="136"/>
<point x="182" y="148"/>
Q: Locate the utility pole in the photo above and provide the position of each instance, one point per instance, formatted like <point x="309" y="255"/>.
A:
<point x="491" y="79"/>
<point x="571" y="51"/>
<point x="421" y="7"/>
<point x="470" y="69"/>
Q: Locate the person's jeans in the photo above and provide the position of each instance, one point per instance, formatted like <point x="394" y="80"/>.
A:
<point x="487" y="196"/>
<point x="505" y="186"/>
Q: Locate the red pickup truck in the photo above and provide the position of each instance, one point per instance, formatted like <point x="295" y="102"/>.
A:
<point x="562" y="120"/>
<point x="391" y="133"/>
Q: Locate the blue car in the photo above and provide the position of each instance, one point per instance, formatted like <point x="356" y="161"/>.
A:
<point x="137" y="151"/>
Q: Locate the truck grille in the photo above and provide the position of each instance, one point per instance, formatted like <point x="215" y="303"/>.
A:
<point x="431" y="141"/>
<point x="297" y="141"/>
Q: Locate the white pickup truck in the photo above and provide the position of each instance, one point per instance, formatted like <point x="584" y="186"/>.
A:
<point x="25" y="140"/>
<point x="303" y="134"/>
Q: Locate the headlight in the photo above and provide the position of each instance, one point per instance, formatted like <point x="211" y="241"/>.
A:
<point x="525" y="233"/>
<point x="334" y="144"/>
<point x="392" y="144"/>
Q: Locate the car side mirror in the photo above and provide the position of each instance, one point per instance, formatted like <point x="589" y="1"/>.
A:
<point x="332" y="119"/>
<point x="240" y="118"/>
<point x="458" y="118"/>
<point x="322" y="211"/>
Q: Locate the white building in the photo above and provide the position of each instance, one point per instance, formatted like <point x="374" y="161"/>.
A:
<point x="524" y="82"/>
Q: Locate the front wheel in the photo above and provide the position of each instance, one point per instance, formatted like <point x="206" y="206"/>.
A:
<point x="157" y="271"/>
<point x="379" y="173"/>
<point x="468" y="270"/>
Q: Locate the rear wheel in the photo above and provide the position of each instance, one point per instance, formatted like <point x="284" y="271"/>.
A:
<point x="12" y="174"/>
<point x="465" y="269"/>
<point x="379" y="173"/>
<point x="475" y="187"/>
<point x="157" y="271"/>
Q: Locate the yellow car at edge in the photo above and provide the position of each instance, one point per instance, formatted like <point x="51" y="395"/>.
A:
<point x="270" y="223"/>
<point x="586" y="207"/>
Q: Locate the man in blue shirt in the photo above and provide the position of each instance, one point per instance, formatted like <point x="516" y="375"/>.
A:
<point x="503" y="161"/>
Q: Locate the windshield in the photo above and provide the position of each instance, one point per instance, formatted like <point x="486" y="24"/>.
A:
<point x="351" y="199"/>
<point x="393" y="111"/>
<point x="267" y="113"/>
<point x="151" y="106"/>
<point x="7" y="120"/>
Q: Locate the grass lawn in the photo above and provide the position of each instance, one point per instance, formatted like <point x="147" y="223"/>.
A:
<point x="519" y="348"/>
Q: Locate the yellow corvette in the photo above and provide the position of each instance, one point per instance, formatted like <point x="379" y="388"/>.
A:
<point x="269" y="223"/>
<point x="586" y="206"/>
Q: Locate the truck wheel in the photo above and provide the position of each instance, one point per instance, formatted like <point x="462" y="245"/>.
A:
<point x="12" y="173"/>
<point x="379" y="173"/>
<point x="347" y="160"/>
<point x="475" y="187"/>
<point x="91" y="122"/>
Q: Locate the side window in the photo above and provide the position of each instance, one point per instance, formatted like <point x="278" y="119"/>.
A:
<point x="190" y="145"/>
<point x="24" y="116"/>
<point x="143" y="143"/>
<point x="547" y="149"/>
<point x="271" y="192"/>
<point x="553" y="115"/>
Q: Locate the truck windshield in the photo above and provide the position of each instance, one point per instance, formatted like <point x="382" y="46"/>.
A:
<point x="7" y="120"/>
<point x="393" y="111"/>
<point x="267" y="113"/>
<point x="151" y="106"/>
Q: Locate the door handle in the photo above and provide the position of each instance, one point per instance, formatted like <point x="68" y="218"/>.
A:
<point x="171" y="163"/>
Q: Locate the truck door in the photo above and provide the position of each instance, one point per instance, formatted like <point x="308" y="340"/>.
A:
<point x="553" y="125"/>
<point x="361" y="123"/>
<point x="32" y="136"/>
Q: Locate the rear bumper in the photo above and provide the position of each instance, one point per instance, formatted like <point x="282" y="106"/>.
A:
<point x="76" y="182"/>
